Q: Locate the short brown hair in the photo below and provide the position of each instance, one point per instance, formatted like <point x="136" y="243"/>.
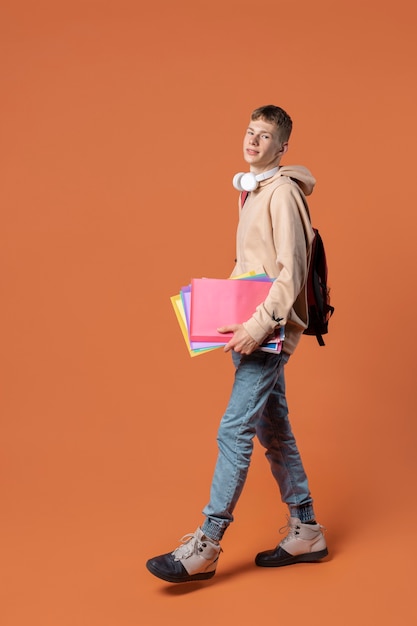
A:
<point x="275" y="115"/>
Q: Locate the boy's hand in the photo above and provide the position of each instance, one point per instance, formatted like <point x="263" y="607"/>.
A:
<point x="241" y="341"/>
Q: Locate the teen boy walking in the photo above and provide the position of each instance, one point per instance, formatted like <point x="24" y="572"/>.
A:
<point x="274" y="235"/>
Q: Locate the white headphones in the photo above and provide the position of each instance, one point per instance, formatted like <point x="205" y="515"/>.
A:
<point x="250" y="181"/>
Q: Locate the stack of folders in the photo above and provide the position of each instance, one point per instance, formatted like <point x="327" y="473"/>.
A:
<point x="208" y="303"/>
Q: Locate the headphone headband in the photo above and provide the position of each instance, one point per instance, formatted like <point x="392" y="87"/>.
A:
<point x="249" y="181"/>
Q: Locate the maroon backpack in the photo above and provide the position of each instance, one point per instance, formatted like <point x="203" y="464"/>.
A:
<point x="318" y="292"/>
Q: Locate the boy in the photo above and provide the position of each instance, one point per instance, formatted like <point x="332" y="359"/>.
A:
<point x="274" y="235"/>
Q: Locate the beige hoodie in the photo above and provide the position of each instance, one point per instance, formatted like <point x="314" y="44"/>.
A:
<point x="274" y="236"/>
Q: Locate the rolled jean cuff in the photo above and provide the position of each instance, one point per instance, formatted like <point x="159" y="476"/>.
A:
<point x="213" y="529"/>
<point x="304" y="512"/>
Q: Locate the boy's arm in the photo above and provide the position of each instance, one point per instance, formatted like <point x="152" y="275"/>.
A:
<point x="289" y="221"/>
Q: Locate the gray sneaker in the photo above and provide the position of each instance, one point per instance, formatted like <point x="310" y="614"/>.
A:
<point x="195" y="559"/>
<point x="304" y="543"/>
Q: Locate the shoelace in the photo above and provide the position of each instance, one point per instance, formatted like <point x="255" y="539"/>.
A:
<point x="292" y="529"/>
<point x="189" y="545"/>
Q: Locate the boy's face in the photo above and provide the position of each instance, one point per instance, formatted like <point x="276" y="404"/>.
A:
<point x="262" y="148"/>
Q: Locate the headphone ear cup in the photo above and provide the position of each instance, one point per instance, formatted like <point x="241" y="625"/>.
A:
<point x="248" y="182"/>
<point x="236" y="181"/>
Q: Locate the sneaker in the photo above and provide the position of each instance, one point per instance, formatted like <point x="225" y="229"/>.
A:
<point x="195" y="559"/>
<point x="304" y="543"/>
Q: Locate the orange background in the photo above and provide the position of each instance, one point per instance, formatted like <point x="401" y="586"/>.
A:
<point x="121" y="130"/>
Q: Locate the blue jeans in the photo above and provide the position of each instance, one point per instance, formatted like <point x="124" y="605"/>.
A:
<point x="257" y="406"/>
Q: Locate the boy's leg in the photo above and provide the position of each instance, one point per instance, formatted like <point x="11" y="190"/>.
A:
<point x="275" y="434"/>
<point x="256" y="376"/>
<point x="305" y="540"/>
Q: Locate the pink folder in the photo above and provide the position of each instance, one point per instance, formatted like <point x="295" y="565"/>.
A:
<point x="220" y="302"/>
<point x="185" y="294"/>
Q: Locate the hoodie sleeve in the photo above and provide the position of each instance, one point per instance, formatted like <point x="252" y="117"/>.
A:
<point x="292" y="234"/>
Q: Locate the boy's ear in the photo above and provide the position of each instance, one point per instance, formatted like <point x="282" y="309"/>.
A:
<point x="284" y="147"/>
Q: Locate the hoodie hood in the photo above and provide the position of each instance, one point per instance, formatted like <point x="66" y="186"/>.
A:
<point x="301" y="175"/>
